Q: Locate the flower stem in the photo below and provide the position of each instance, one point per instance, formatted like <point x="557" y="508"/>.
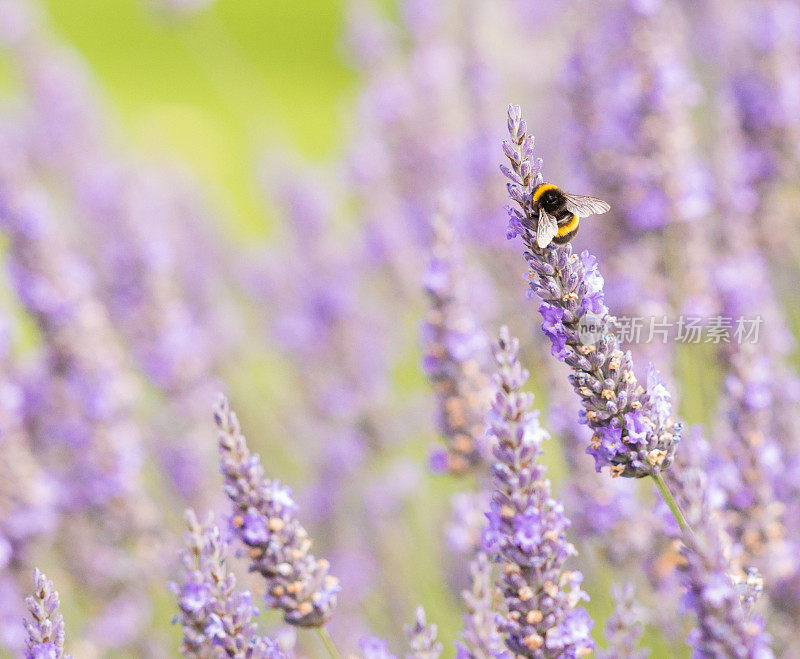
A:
<point x="675" y="509"/>
<point x="327" y="641"/>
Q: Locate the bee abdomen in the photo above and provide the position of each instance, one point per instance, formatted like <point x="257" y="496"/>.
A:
<point x="568" y="231"/>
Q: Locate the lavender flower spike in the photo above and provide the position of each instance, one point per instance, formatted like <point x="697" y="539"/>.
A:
<point x="264" y="520"/>
<point x="217" y="619"/>
<point x="725" y="626"/>
<point x="422" y="638"/>
<point x="624" y="628"/>
<point x="634" y="433"/>
<point x="526" y="531"/>
<point x="455" y="351"/>
<point x="481" y="640"/>
<point x="46" y="631"/>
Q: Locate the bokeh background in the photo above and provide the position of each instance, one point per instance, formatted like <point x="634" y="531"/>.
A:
<point x="237" y="196"/>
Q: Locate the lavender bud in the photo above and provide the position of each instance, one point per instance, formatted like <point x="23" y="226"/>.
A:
<point x="422" y="638"/>
<point x="46" y="630"/>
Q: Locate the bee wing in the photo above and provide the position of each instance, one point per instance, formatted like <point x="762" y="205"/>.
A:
<point x="546" y="229"/>
<point x="584" y="206"/>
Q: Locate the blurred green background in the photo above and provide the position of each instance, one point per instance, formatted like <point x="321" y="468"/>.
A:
<point x="218" y="85"/>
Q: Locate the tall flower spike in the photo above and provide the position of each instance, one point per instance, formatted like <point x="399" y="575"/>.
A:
<point x="724" y="628"/>
<point x="264" y="520"/>
<point x="527" y="527"/>
<point x="454" y="352"/>
<point x="46" y="630"/>
<point x="422" y="638"/>
<point x="631" y="94"/>
<point x="217" y="619"/>
<point x="624" y="628"/>
<point x="634" y="433"/>
<point x="481" y="640"/>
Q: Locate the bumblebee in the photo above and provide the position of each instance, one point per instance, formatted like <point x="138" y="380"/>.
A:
<point x="560" y="213"/>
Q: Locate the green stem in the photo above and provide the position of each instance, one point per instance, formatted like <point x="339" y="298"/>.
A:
<point x="675" y="509"/>
<point x="327" y="641"/>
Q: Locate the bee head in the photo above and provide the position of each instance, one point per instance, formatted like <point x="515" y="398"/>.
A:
<point x="549" y="196"/>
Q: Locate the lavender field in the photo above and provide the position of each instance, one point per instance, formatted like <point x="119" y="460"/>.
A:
<point x="319" y="337"/>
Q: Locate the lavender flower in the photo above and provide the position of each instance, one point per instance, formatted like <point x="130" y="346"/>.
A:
<point x="526" y="532"/>
<point x="631" y="95"/>
<point x="46" y="630"/>
<point x="422" y="638"/>
<point x="467" y="521"/>
<point x="624" y="628"/>
<point x="454" y="352"/>
<point x="217" y="619"/>
<point x="480" y="637"/>
<point x="724" y="626"/>
<point x="748" y="451"/>
<point x="264" y="520"/>
<point x="634" y="433"/>
<point x="373" y="647"/>
<point x="764" y="66"/>
<point x="79" y="407"/>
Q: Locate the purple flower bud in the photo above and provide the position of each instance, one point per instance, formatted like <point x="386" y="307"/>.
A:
<point x="422" y="638"/>
<point x="46" y="629"/>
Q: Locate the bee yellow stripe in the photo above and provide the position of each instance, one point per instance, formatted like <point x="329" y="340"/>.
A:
<point x="569" y="227"/>
<point x="544" y="187"/>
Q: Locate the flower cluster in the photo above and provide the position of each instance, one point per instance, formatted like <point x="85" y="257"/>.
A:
<point x="455" y="352"/>
<point x="724" y="628"/>
<point x="624" y="628"/>
<point x="480" y="637"/>
<point x="422" y="638"/>
<point x="264" y="520"/>
<point x="764" y="68"/>
<point x="527" y="527"/>
<point x="215" y="616"/>
<point x="46" y="629"/>
<point x="634" y="433"/>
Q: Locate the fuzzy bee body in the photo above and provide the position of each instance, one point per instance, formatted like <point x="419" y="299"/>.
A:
<point x="560" y="213"/>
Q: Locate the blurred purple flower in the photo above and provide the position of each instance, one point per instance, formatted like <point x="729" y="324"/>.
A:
<point x="624" y="627"/>
<point x="375" y="648"/>
<point x="455" y="355"/>
<point x="724" y="627"/>
<point x="480" y="638"/>
<point x="422" y="638"/>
